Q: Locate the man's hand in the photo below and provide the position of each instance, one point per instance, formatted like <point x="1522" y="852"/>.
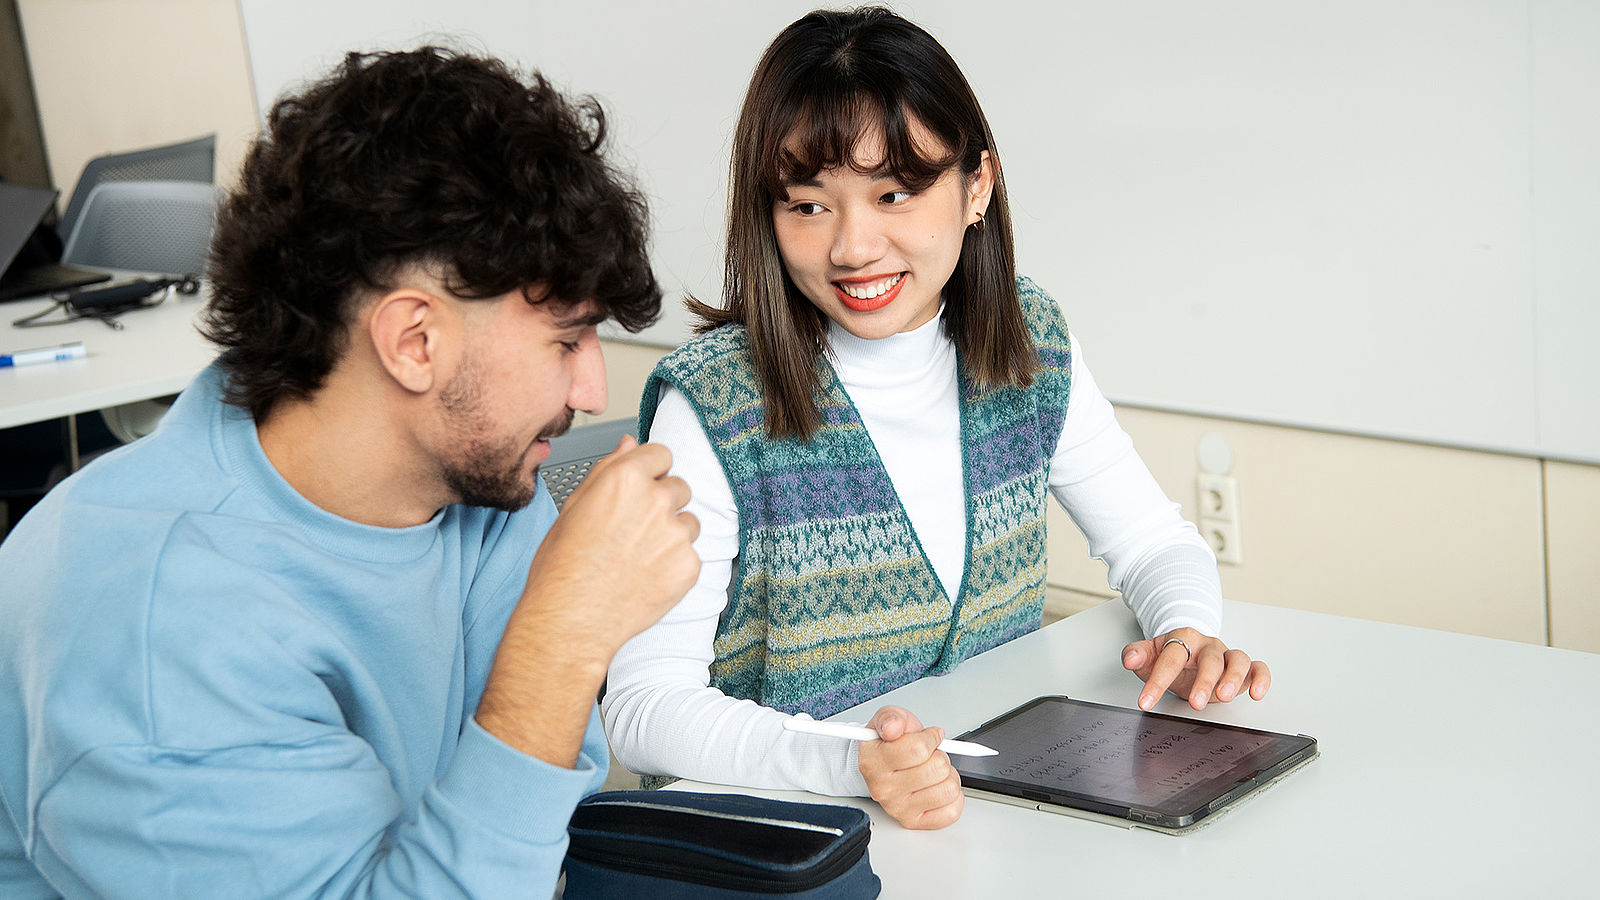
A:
<point x="1195" y="666"/>
<point x="617" y="558"/>
<point x="620" y="554"/>
<point x="907" y="773"/>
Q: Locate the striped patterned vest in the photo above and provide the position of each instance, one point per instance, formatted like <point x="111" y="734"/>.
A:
<point x="833" y="601"/>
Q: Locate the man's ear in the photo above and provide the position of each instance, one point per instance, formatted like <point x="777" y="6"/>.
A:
<point x="410" y="330"/>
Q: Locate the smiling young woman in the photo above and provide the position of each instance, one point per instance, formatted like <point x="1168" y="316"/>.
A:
<point x="871" y="253"/>
<point x="872" y="424"/>
<point x="891" y="104"/>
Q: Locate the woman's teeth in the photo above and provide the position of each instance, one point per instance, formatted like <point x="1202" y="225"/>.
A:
<point x="868" y="291"/>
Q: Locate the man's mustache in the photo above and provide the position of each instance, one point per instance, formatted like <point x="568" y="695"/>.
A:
<point x="558" y="429"/>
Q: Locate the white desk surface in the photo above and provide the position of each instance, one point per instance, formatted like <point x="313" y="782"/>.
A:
<point x="157" y="352"/>
<point x="1451" y="766"/>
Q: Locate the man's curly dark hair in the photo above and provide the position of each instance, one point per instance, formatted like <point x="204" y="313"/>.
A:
<point x="427" y="157"/>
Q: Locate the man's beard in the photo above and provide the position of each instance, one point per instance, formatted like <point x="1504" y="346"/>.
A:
<point x="486" y="471"/>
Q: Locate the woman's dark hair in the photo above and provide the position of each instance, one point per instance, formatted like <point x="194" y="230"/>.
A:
<point x="426" y="157"/>
<point x="825" y="81"/>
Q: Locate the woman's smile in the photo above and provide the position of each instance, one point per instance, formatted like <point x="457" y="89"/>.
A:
<point x="869" y="292"/>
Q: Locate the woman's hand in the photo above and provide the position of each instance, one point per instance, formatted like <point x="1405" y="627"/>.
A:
<point x="1196" y="666"/>
<point x="907" y="773"/>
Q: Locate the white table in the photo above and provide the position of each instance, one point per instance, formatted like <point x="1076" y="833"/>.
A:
<point x="1451" y="766"/>
<point x="157" y="352"/>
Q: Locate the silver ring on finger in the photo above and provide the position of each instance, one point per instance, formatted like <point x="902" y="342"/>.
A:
<point x="1187" y="653"/>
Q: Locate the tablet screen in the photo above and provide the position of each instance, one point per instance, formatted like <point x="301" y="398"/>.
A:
<point x="1108" y="759"/>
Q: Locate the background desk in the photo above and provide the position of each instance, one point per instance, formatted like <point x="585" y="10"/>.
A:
<point x="156" y="353"/>
<point x="1451" y="766"/>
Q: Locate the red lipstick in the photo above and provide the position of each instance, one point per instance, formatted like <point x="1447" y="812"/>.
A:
<point x="868" y="304"/>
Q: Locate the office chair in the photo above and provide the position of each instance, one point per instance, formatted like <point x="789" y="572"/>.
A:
<point x="148" y="226"/>
<point x="34" y="454"/>
<point x="194" y="160"/>
<point x="573" y="453"/>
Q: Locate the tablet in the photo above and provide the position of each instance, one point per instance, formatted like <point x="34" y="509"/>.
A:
<point x="1127" y="767"/>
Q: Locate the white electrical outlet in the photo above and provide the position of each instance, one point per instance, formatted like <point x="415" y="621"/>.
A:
<point x="1218" y="497"/>
<point x="1223" y="536"/>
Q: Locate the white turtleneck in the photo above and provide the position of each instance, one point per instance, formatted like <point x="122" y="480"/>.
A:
<point x="662" y="717"/>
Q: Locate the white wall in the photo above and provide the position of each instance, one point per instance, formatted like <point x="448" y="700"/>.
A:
<point x="1372" y="216"/>
<point x="1392" y="530"/>
<point x="1565" y="149"/>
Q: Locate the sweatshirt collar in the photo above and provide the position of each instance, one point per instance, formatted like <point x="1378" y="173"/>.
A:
<point x="242" y="456"/>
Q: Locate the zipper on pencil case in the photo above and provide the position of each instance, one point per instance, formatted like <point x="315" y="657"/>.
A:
<point x="734" y="817"/>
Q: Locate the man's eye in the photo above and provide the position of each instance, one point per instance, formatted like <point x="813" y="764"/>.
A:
<point x="570" y="346"/>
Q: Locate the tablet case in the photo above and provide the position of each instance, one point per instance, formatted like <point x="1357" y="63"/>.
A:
<point x="670" y="844"/>
<point x="1223" y="806"/>
<point x="1299" y="749"/>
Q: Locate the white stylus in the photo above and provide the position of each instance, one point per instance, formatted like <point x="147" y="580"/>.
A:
<point x="853" y="732"/>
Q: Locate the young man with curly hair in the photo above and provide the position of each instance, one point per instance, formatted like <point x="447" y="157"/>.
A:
<point x="322" y="633"/>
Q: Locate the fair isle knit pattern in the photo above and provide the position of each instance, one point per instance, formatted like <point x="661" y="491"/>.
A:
<point x="834" y="601"/>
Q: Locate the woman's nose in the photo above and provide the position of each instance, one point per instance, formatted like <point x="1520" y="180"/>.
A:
<point x="857" y="241"/>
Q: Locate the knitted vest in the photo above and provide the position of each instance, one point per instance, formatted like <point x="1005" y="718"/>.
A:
<point x="833" y="601"/>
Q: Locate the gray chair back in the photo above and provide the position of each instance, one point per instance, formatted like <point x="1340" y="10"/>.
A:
<point x="194" y="160"/>
<point x="148" y="226"/>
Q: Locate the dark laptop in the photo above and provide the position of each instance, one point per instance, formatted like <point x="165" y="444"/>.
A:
<point x="22" y="209"/>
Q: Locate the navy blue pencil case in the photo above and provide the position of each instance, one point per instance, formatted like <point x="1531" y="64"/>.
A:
<point x="670" y="844"/>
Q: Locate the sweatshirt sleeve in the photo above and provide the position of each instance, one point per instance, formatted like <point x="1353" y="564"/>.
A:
<point x="1157" y="559"/>
<point x="661" y="715"/>
<point x="313" y="818"/>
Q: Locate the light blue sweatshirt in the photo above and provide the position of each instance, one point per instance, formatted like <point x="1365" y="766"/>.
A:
<point x="209" y="687"/>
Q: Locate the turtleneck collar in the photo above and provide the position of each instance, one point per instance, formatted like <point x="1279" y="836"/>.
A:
<point x="897" y="359"/>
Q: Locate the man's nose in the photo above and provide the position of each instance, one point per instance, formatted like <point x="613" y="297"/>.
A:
<point x="588" y="390"/>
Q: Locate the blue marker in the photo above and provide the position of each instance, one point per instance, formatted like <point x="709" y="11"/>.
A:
<point x="73" y="350"/>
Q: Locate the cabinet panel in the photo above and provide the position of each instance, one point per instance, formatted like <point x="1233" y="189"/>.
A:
<point x="1378" y="529"/>
<point x="1572" y="526"/>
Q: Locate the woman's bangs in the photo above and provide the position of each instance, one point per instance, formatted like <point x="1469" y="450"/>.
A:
<point x="828" y="131"/>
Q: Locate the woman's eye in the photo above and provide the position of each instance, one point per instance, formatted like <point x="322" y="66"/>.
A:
<point x="894" y="198"/>
<point x="806" y="209"/>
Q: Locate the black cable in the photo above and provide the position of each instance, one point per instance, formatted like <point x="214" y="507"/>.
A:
<point x="106" y="303"/>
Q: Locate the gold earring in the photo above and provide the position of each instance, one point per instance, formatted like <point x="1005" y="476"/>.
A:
<point x="978" y="225"/>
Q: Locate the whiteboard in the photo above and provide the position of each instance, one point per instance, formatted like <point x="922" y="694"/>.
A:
<point x="1376" y="216"/>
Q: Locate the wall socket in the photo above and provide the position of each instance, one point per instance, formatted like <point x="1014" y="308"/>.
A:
<point x="1219" y="496"/>
<point x="1224" y="540"/>
<point x="1219" y="516"/>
